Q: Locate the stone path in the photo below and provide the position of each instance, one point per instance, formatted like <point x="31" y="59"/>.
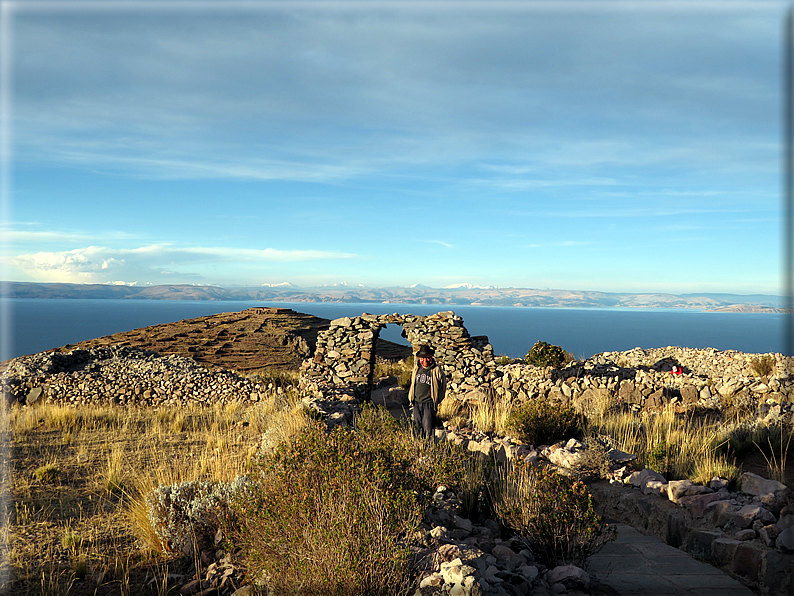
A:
<point x="639" y="565"/>
<point x="636" y="564"/>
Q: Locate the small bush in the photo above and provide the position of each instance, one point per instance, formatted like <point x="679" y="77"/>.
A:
<point x="186" y="516"/>
<point x="593" y="463"/>
<point x="552" y="514"/>
<point x="47" y="473"/>
<point x="763" y="365"/>
<point x="544" y="354"/>
<point x="71" y="540"/>
<point x="537" y="422"/>
<point x="325" y="511"/>
<point x="503" y="360"/>
<point x="660" y="459"/>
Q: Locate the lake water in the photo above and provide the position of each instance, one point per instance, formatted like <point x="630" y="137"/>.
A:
<point x="37" y="325"/>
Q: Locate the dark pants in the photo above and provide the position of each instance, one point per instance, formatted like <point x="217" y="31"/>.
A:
<point x="424" y="415"/>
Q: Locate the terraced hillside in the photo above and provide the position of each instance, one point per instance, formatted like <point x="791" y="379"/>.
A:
<point x="249" y="340"/>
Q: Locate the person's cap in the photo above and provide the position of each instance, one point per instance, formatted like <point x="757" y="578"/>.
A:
<point x="424" y="352"/>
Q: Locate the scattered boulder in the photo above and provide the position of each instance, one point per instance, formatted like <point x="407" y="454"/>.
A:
<point x="753" y="484"/>
<point x="570" y="576"/>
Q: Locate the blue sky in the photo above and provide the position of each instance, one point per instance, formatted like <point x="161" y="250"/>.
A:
<point x="617" y="146"/>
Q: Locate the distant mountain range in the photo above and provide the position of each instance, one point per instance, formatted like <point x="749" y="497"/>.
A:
<point x="459" y="294"/>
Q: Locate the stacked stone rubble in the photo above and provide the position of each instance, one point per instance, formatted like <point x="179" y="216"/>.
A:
<point x="121" y="375"/>
<point x="345" y="354"/>
<point x="642" y="379"/>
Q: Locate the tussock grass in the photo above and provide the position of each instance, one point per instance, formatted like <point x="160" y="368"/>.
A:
<point x="401" y="369"/>
<point x="676" y="445"/>
<point x="87" y="531"/>
<point x="491" y="416"/>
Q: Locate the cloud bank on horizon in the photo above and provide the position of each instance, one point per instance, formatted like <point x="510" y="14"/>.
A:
<point x="615" y="146"/>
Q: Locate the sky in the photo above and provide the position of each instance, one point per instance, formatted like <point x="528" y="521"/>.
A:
<point x="630" y="146"/>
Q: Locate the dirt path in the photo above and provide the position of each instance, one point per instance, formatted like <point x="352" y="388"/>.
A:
<point x="380" y="397"/>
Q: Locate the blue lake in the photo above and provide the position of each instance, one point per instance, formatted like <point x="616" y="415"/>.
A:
<point x="37" y="325"/>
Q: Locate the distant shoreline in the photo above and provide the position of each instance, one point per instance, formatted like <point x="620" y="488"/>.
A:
<point x="442" y="297"/>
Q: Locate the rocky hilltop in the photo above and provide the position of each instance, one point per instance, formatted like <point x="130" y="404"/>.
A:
<point x="246" y="341"/>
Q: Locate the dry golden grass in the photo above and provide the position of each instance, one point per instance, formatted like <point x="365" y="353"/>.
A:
<point x="86" y="530"/>
<point x="677" y="445"/>
<point x="684" y="446"/>
<point x="491" y="415"/>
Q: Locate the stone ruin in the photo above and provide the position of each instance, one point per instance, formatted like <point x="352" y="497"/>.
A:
<point x="344" y="363"/>
<point x="344" y="358"/>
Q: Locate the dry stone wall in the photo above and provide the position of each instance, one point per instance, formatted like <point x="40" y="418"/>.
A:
<point x="121" y="375"/>
<point x="643" y="379"/>
<point x="345" y="354"/>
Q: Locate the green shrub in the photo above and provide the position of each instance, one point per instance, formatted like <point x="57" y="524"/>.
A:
<point x="660" y="459"/>
<point x="763" y="365"/>
<point x="503" y="360"/>
<point x="47" y="473"/>
<point x="325" y="512"/>
<point x="593" y="463"/>
<point x="538" y="422"/>
<point x="71" y="540"/>
<point x="544" y="354"/>
<point x="550" y="513"/>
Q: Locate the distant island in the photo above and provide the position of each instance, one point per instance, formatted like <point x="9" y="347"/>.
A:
<point x="459" y="294"/>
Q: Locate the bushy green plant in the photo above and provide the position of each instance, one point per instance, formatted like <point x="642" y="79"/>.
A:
<point x="503" y="360"/>
<point x="544" y="354"/>
<point x="552" y="514"/>
<point x="326" y="511"/>
<point x="763" y="365"/>
<point x="47" y="473"/>
<point x="71" y="540"/>
<point x="659" y="458"/>
<point x="538" y="422"/>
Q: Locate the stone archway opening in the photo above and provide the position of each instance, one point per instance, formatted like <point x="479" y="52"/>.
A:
<point x="345" y="356"/>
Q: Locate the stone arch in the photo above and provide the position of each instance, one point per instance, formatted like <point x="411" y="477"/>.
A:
<point x="344" y="358"/>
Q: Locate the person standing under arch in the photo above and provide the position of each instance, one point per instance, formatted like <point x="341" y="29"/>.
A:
<point x="428" y="386"/>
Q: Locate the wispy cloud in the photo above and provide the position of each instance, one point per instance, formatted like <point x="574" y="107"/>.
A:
<point x="560" y="244"/>
<point x="444" y="244"/>
<point x="12" y="235"/>
<point x="96" y="264"/>
<point x="162" y="164"/>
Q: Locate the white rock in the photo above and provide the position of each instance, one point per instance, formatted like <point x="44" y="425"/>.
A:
<point x="434" y="579"/>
